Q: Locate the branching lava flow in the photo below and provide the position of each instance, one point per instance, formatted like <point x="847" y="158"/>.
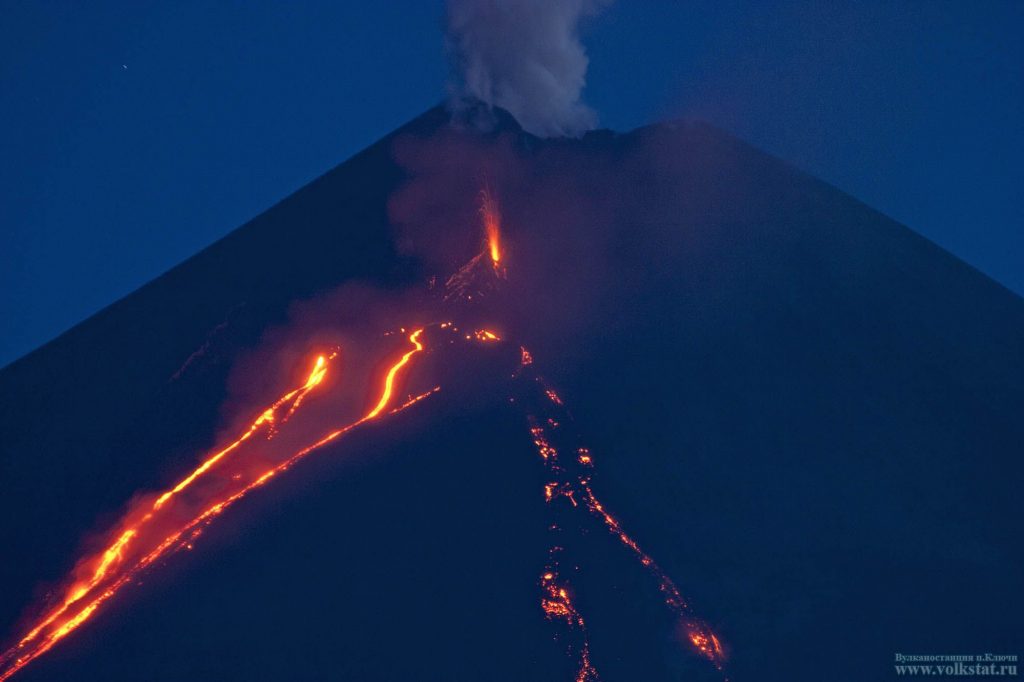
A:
<point x="176" y="517"/>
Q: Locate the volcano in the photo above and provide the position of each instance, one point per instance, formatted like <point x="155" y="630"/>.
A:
<point x="697" y="415"/>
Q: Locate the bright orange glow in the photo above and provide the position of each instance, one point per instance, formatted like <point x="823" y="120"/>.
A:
<point x="168" y="525"/>
<point x="491" y="215"/>
<point x="544" y="448"/>
<point x="316" y="376"/>
<point x="485" y="336"/>
<point x="389" y="380"/>
<point x="113" y="570"/>
<point x="114" y="553"/>
<point x="179" y="515"/>
<point x="705" y="642"/>
<point x="479" y="276"/>
<point x="587" y="671"/>
<point x="415" y="399"/>
<point x="554" y="490"/>
<point x="568" y="484"/>
<point x="555" y="597"/>
<point x="558" y="606"/>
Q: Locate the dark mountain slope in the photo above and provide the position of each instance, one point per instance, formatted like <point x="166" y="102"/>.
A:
<point x="79" y="411"/>
<point x="808" y="413"/>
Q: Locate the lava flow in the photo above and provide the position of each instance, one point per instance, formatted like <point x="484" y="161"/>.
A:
<point x="556" y="600"/>
<point x="571" y="481"/>
<point x="143" y="540"/>
<point x="176" y="517"/>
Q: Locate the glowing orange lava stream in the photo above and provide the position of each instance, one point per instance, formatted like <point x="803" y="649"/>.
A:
<point x="566" y="485"/>
<point x="558" y="605"/>
<point x="114" y="553"/>
<point x="144" y="538"/>
<point x="111" y="573"/>
<point x="555" y="600"/>
<point x="491" y="215"/>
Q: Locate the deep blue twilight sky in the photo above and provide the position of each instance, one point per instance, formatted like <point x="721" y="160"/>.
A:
<point x="133" y="134"/>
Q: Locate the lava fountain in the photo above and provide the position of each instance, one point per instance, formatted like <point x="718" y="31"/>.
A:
<point x="490" y="214"/>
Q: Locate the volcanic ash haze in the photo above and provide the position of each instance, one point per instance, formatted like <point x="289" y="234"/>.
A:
<point x="525" y="57"/>
<point x="801" y="413"/>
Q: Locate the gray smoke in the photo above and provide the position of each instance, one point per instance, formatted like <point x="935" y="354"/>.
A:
<point x="524" y="56"/>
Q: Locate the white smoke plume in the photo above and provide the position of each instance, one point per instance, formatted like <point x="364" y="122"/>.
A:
<point x="524" y="56"/>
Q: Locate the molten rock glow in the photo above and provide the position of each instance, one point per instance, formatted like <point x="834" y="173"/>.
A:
<point x="491" y="215"/>
<point x="144" y="539"/>
<point x="176" y="517"/>
<point x="571" y="479"/>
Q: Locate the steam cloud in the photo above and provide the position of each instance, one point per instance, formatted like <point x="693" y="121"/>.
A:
<point x="524" y="56"/>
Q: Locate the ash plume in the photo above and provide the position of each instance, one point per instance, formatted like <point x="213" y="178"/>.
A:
<point x="524" y="56"/>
